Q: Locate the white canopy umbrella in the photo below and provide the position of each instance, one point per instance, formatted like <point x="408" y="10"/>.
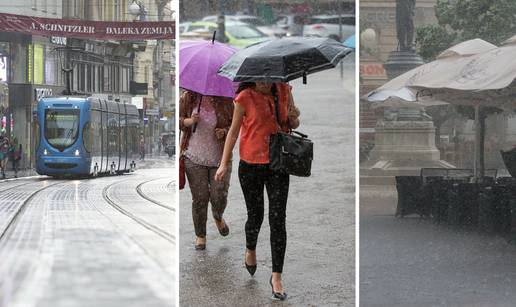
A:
<point x="398" y="92"/>
<point x="474" y="73"/>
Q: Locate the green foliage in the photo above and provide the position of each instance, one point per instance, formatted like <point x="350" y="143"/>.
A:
<point x="491" y="20"/>
<point x="432" y="40"/>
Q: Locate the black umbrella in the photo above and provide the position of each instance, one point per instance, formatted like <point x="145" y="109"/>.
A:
<point x="282" y="60"/>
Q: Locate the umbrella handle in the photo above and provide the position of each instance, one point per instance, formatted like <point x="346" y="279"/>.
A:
<point x="198" y="112"/>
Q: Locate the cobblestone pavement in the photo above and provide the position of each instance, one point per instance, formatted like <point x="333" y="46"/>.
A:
<point x="107" y="241"/>
<point x="320" y="263"/>
<point x="414" y="262"/>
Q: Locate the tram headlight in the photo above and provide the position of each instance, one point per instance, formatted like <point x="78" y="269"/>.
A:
<point x="45" y="152"/>
<point x="77" y="152"/>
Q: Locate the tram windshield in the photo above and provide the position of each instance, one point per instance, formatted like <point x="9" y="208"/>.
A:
<point x="61" y="127"/>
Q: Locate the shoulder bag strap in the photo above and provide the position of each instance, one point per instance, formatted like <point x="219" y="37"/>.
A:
<point x="274" y="91"/>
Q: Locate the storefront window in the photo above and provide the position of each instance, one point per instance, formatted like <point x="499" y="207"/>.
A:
<point x="50" y="66"/>
<point x="107" y="78"/>
<point x="19" y="63"/>
<point x="39" y="70"/>
<point x="4" y="61"/>
<point x="125" y="81"/>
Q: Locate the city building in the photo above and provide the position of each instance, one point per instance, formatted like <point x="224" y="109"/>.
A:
<point x="31" y="66"/>
<point x="196" y="9"/>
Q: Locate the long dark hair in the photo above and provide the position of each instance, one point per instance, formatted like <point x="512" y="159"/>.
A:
<point x="244" y="85"/>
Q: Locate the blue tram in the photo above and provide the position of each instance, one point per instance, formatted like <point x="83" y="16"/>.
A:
<point x="86" y="136"/>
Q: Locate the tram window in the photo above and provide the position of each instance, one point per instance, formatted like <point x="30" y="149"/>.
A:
<point x="61" y="127"/>
<point x="87" y="136"/>
<point x="113" y="136"/>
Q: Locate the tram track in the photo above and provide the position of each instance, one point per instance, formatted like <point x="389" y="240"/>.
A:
<point x="15" y="186"/>
<point x="170" y="185"/>
<point x="7" y="230"/>
<point x="142" y="222"/>
<point x="150" y="199"/>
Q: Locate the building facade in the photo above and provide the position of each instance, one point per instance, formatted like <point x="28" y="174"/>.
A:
<point x="196" y="9"/>
<point x="31" y="66"/>
<point x="29" y="70"/>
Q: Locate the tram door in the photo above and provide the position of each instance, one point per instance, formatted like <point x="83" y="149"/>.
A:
<point x="123" y="134"/>
<point x="105" y="151"/>
<point x="120" y="136"/>
<point x="101" y="134"/>
<point x="113" y="135"/>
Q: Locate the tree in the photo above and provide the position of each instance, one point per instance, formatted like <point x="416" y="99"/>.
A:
<point x="491" y="20"/>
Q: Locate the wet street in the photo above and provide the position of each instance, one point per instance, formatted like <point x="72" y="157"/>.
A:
<point x="413" y="262"/>
<point x="107" y="241"/>
<point x="320" y="257"/>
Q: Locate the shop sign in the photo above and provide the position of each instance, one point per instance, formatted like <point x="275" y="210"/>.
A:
<point x="136" y="88"/>
<point x="58" y="40"/>
<point x="139" y="30"/>
<point x="152" y="112"/>
<point x="42" y="93"/>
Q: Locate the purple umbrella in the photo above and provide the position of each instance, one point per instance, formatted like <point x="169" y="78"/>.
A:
<point x="199" y="62"/>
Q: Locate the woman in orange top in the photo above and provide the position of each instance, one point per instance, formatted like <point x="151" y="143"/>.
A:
<point x="255" y="118"/>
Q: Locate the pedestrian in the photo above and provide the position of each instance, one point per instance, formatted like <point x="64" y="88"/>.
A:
<point x="4" y="154"/>
<point x="255" y="119"/>
<point x="142" y="149"/>
<point x="205" y="121"/>
<point x="15" y="151"/>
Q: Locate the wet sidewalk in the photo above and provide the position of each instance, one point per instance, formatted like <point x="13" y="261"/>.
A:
<point x="413" y="262"/>
<point x="320" y="264"/>
<point x="150" y="161"/>
<point x="9" y="173"/>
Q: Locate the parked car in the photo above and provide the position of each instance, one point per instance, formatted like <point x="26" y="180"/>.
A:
<point x="270" y="30"/>
<point x="292" y="24"/>
<point x="239" y="34"/>
<point x="328" y="26"/>
<point x="184" y="27"/>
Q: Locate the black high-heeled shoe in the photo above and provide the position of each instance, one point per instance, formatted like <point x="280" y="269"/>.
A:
<point x="250" y="268"/>
<point x="277" y="295"/>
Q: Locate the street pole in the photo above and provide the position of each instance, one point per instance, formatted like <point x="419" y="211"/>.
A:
<point x="67" y="70"/>
<point x="476" y="159"/>
<point x="221" y="27"/>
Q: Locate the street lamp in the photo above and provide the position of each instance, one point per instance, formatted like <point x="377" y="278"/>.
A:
<point x="137" y="9"/>
<point x="368" y="40"/>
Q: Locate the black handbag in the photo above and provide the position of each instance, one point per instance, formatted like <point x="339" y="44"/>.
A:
<point x="290" y="153"/>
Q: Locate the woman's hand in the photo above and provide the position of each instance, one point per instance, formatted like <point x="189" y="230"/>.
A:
<point x="221" y="172"/>
<point x="220" y="133"/>
<point x="238" y="115"/>
<point x="194" y="119"/>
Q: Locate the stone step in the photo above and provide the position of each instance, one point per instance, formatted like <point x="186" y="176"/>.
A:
<point x="377" y="180"/>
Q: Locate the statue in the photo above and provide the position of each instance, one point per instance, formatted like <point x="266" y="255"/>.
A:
<point x="405" y="24"/>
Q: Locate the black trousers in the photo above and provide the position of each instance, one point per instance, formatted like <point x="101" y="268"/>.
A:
<point x="253" y="179"/>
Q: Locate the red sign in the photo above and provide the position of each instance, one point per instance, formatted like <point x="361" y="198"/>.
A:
<point x="372" y="70"/>
<point x="135" y="30"/>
